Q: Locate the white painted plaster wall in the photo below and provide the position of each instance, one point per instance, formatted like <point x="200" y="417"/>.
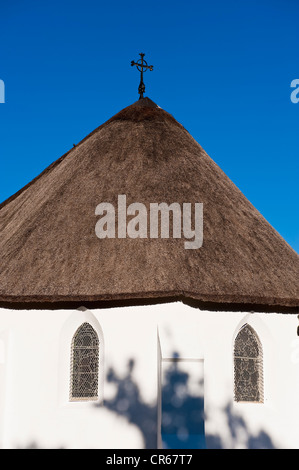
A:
<point x="35" y="373"/>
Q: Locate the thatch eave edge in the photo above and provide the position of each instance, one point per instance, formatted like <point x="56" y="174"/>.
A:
<point x="203" y="302"/>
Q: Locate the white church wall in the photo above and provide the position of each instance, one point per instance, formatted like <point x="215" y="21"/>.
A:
<point x="139" y="342"/>
<point x="4" y="345"/>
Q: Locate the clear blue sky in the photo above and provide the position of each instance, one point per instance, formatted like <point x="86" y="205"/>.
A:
<point x="223" y="68"/>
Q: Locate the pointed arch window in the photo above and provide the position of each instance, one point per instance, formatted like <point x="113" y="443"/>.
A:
<point x="248" y="366"/>
<point x="84" y="364"/>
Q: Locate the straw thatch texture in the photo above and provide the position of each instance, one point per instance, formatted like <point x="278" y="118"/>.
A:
<point x="50" y="251"/>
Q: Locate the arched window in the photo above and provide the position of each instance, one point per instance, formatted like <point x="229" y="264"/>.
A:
<point x="248" y="366"/>
<point x="84" y="364"/>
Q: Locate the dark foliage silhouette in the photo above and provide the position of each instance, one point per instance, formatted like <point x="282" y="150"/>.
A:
<point x="128" y="403"/>
<point x="182" y="424"/>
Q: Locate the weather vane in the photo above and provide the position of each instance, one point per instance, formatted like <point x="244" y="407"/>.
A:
<point x="142" y="67"/>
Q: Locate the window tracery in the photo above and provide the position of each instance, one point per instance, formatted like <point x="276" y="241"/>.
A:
<point x="248" y="366"/>
<point x="84" y="364"/>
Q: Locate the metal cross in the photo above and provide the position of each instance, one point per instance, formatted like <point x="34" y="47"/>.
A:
<point x="142" y="67"/>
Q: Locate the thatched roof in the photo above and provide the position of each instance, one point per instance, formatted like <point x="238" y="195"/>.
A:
<point x="50" y="252"/>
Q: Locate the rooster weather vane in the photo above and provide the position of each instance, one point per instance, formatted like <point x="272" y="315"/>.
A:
<point x="142" y="66"/>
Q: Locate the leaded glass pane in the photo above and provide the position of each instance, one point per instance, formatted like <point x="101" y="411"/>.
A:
<point x="248" y="366"/>
<point x="85" y="364"/>
<point x="247" y="344"/>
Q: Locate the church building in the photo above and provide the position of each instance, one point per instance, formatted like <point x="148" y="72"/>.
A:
<point x="144" y="302"/>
